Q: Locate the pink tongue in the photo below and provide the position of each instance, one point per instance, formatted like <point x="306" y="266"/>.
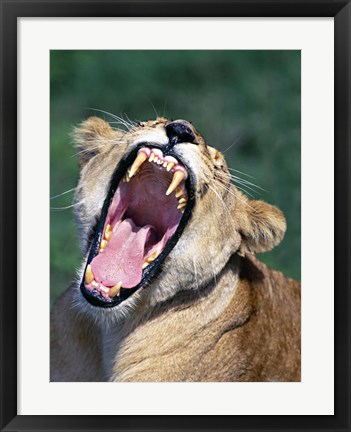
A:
<point x="123" y="256"/>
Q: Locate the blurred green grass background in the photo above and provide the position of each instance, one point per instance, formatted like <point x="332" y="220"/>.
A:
<point x="245" y="103"/>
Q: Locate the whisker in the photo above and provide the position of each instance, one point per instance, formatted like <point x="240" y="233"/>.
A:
<point x="130" y="121"/>
<point x="233" y="194"/>
<point x="238" y="183"/>
<point x="220" y="198"/>
<point x="124" y="122"/>
<point x="243" y="181"/>
<point x="247" y="175"/>
<point x="118" y="122"/>
<point x="153" y="106"/>
<point x="164" y="107"/>
<point x="67" y="207"/>
<point x="63" y="193"/>
<point x="97" y="147"/>
<point x="61" y="208"/>
<point x="233" y="144"/>
<point x="119" y="119"/>
<point x="240" y="188"/>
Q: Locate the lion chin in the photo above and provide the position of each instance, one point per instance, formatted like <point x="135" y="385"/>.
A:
<point x="170" y="288"/>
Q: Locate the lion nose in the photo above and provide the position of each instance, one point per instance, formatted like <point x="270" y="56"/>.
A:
<point x="178" y="132"/>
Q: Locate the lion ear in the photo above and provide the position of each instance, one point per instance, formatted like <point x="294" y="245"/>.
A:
<point x="93" y="136"/>
<point x="261" y="226"/>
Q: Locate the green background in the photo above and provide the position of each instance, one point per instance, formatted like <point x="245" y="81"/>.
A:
<point x="246" y="103"/>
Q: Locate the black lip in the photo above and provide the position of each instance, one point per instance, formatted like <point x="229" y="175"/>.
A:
<point x="94" y="297"/>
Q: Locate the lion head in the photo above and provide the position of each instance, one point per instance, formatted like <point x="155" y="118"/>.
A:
<point x="157" y="213"/>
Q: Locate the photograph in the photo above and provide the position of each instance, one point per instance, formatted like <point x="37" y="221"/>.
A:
<point x="175" y="215"/>
<point x="179" y="174"/>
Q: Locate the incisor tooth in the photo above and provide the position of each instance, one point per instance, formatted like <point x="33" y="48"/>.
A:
<point x="105" y="290"/>
<point x="145" y="265"/>
<point x="178" y="177"/>
<point x="170" y="166"/>
<point x="182" y="200"/>
<point x="89" y="276"/>
<point x="156" y="159"/>
<point x="164" y="164"/>
<point x="152" y="157"/>
<point x="115" y="290"/>
<point x="103" y="244"/>
<point x="181" y="206"/>
<point x="139" y="160"/>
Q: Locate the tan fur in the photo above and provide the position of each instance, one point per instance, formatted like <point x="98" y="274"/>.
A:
<point x="214" y="312"/>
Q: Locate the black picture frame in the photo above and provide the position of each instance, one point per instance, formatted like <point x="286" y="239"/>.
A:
<point x="10" y="11"/>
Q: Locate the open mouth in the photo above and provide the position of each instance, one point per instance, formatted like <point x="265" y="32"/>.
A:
<point x="145" y="211"/>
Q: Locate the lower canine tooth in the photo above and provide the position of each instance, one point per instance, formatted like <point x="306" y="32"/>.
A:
<point x="152" y="257"/>
<point x="115" y="290"/>
<point x="89" y="276"/>
<point x="108" y="232"/>
<point x="178" y="177"/>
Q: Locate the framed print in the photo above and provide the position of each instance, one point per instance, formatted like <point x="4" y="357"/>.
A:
<point x="170" y="114"/>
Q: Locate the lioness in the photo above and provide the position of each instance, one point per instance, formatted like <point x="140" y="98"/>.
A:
<point x="170" y="289"/>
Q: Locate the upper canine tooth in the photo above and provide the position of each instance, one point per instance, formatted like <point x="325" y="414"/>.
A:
<point x="139" y="160"/>
<point x="89" y="276"/>
<point x="178" y="177"/>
